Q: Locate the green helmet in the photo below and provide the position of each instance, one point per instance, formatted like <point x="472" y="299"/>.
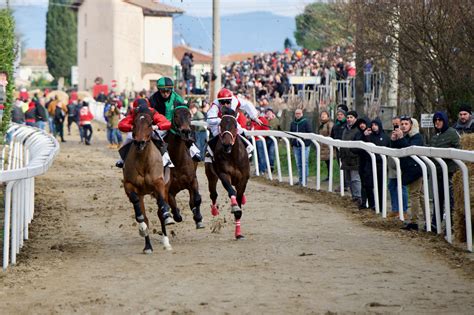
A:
<point x="164" y="83"/>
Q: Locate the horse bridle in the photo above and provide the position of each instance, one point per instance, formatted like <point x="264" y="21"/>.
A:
<point x="145" y="141"/>
<point x="221" y="134"/>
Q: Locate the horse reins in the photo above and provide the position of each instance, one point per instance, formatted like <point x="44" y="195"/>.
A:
<point x="221" y="134"/>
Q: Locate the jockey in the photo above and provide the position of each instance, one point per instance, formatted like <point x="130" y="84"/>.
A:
<point x="226" y="98"/>
<point x="160" y="123"/>
<point x="164" y="101"/>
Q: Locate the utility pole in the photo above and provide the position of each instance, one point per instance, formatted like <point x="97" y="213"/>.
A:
<point x="216" y="48"/>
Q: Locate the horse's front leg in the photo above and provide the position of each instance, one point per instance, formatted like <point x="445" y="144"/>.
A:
<point x="238" y="215"/>
<point x="163" y="213"/>
<point x="195" y="204"/>
<point x="235" y="206"/>
<point x="212" y="185"/>
<point x="140" y="216"/>
<point x="174" y="206"/>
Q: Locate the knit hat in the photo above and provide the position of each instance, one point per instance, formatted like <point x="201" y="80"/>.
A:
<point x="343" y="107"/>
<point x="340" y="110"/>
<point x="352" y="113"/>
<point x="465" y="108"/>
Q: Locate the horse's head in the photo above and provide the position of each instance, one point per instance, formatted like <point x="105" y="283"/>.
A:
<point x="181" y="123"/>
<point x="142" y="127"/>
<point x="228" y="131"/>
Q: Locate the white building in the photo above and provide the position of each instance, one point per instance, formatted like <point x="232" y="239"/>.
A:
<point x="129" y="42"/>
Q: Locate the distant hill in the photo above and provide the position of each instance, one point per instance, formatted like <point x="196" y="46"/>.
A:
<point x="246" y="32"/>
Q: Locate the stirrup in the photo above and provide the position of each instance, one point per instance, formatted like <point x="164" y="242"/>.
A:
<point x="167" y="160"/>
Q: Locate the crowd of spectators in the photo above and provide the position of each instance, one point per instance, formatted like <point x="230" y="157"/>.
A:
<point x="268" y="73"/>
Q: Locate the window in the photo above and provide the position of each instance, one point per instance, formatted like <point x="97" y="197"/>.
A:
<point x="85" y="49"/>
<point x="85" y="20"/>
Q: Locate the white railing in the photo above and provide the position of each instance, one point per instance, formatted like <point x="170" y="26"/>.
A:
<point x="29" y="153"/>
<point x="421" y="155"/>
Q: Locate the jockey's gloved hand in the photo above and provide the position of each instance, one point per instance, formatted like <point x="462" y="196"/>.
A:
<point x="258" y="122"/>
<point x="155" y="127"/>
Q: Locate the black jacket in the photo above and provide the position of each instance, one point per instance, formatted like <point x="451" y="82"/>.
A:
<point x="338" y="129"/>
<point x="300" y="125"/>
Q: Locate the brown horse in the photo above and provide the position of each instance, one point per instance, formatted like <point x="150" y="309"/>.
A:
<point x="143" y="175"/>
<point x="183" y="175"/>
<point x="231" y="166"/>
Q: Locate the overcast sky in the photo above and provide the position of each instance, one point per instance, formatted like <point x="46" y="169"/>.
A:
<point x="204" y="7"/>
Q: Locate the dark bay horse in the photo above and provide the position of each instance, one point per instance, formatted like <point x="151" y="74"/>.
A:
<point x="183" y="175"/>
<point x="143" y="175"/>
<point x="231" y="166"/>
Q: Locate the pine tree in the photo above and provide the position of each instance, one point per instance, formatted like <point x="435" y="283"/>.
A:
<point x="61" y="38"/>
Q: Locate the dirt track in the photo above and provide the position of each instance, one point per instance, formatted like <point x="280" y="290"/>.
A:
<point x="300" y="255"/>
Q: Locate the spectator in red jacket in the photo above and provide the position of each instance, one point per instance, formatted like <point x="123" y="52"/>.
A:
<point x="85" y="123"/>
<point x="262" y="163"/>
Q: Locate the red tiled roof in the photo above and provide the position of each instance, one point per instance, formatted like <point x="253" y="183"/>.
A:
<point x="198" y="56"/>
<point x="237" y="57"/>
<point x="33" y="57"/>
<point x="155" y="6"/>
<point x="151" y="5"/>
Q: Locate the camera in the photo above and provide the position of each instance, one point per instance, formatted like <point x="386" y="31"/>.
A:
<point x="395" y="127"/>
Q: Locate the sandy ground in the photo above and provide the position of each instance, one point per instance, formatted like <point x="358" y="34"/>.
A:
<point x="305" y="252"/>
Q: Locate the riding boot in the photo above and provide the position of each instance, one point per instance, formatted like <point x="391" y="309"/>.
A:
<point x="195" y="153"/>
<point x="162" y="147"/>
<point x="248" y="146"/>
<point x="123" y="152"/>
<point x="211" y="146"/>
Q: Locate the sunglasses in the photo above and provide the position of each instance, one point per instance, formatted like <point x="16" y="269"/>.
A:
<point x="405" y="117"/>
<point x="223" y="102"/>
<point x="165" y="90"/>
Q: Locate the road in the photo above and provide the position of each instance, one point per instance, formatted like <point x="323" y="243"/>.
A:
<point x="305" y="252"/>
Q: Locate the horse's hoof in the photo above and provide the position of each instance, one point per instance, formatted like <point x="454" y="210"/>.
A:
<point x="239" y="237"/>
<point x="214" y="210"/>
<point x="166" y="243"/>
<point x="147" y="251"/>
<point x="177" y="217"/>
<point x="200" y="225"/>
<point x="169" y="221"/>
<point x="244" y="200"/>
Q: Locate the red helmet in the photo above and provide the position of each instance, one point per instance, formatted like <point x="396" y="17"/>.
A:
<point x="224" y="94"/>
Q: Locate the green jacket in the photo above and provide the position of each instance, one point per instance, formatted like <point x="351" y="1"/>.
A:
<point x="165" y="106"/>
<point x="446" y="139"/>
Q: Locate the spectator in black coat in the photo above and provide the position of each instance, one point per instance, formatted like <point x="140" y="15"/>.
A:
<point x="301" y="124"/>
<point x="365" y="166"/>
<point x="376" y="135"/>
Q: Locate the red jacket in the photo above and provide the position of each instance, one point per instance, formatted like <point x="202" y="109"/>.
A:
<point x="85" y="116"/>
<point x="126" y="124"/>
<point x="256" y="126"/>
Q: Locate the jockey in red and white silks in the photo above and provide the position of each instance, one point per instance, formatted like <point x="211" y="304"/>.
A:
<point x="227" y="98"/>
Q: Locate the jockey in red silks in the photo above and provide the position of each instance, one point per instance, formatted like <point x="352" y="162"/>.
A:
<point x="226" y="98"/>
<point x="160" y="123"/>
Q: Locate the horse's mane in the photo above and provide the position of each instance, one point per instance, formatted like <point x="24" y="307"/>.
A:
<point x="228" y="111"/>
<point x="143" y="109"/>
<point x="180" y="105"/>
